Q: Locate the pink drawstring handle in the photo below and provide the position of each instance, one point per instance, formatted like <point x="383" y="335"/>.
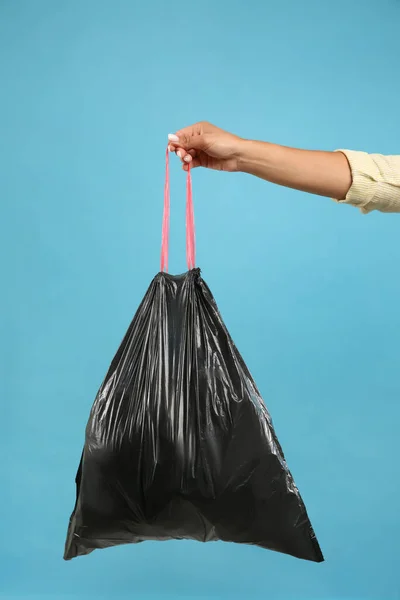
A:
<point x="165" y="224"/>
<point x="190" y="231"/>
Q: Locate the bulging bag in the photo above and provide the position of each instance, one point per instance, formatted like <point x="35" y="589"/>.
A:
<point x="179" y="444"/>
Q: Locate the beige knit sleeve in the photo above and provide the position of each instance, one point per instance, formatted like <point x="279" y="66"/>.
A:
<point x="376" y="182"/>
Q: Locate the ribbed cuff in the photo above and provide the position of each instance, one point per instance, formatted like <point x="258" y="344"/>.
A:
<point x="365" y="174"/>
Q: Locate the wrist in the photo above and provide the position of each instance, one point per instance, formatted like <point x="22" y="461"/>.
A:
<point x="246" y="155"/>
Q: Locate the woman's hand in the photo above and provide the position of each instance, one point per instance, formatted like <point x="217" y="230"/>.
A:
<point x="204" y="145"/>
<point x="322" y="173"/>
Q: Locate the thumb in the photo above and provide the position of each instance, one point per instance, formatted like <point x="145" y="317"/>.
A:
<point x="188" y="141"/>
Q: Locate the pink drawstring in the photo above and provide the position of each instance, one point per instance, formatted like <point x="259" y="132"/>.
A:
<point x="190" y="230"/>
<point x="165" y="224"/>
<point x="190" y="233"/>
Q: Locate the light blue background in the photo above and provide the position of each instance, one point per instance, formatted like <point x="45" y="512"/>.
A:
<point x="309" y="290"/>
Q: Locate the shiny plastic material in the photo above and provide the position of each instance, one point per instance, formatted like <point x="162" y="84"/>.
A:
<point x="179" y="443"/>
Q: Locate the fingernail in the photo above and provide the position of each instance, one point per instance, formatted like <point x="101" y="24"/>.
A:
<point x="173" y="138"/>
<point x="179" y="153"/>
<point x="170" y="148"/>
<point x="188" y="158"/>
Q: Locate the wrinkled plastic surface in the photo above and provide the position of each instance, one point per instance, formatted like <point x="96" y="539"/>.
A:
<point x="179" y="443"/>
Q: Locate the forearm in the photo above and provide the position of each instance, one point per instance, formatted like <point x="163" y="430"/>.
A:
<point x="316" y="172"/>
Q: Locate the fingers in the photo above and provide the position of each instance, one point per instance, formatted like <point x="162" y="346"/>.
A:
<point x="193" y="164"/>
<point x="189" y="141"/>
<point x="184" y="156"/>
<point x="174" y="145"/>
<point x="173" y="142"/>
<point x="173" y="138"/>
<point x="181" y="153"/>
<point x="188" y="157"/>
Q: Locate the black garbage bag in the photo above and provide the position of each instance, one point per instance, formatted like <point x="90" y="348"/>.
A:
<point x="179" y="444"/>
